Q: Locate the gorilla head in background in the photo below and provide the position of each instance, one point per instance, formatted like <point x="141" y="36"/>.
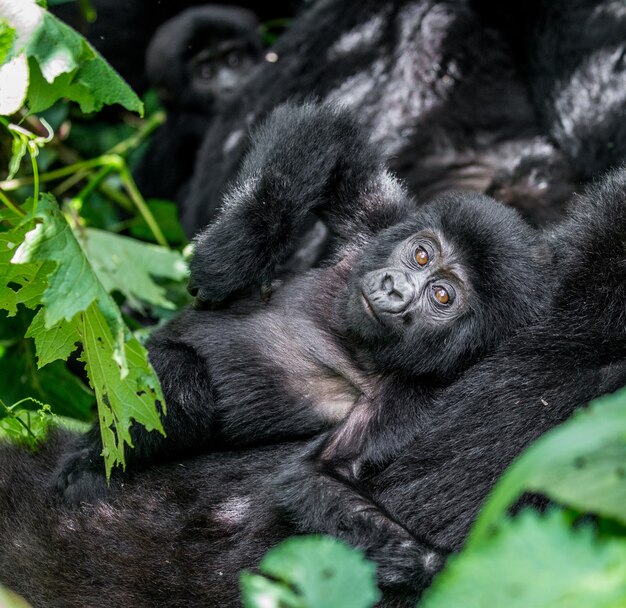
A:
<point x="203" y="55"/>
<point x="123" y="28"/>
<point x="195" y="61"/>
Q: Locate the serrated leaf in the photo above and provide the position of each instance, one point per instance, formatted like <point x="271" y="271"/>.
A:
<point x="535" y="561"/>
<point x="127" y="265"/>
<point x="322" y="571"/>
<point x="72" y="286"/>
<point x="123" y="402"/>
<point x="97" y="84"/>
<point x="19" y="284"/>
<point x="579" y="464"/>
<point x="77" y="307"/>
<point x="56" y="342"/>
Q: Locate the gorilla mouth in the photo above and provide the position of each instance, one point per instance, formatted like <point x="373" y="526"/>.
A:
<point x="369" y="309"/>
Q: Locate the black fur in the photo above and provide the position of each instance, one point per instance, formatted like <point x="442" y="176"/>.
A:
<point x="459" y="95"/>
<point x="195" y="59"/>
<point x="178" y="534"/>
<point x="123" y="28"/>
<point x="365" y="333"/>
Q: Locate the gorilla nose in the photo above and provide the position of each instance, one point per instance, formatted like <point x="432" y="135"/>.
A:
<point x="389" y="291"/>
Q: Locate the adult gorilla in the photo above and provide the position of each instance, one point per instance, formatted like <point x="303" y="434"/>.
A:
<point x="458" y="94"/>
<point x="178" y="534"/>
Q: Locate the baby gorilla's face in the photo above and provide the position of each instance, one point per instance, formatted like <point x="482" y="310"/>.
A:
<point x="422" y="283"/>
<point x="409" y="300"/>
<point x="430" y="295"/>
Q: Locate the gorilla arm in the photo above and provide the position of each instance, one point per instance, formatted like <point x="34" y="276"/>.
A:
<point x="322" y="489"/>
<point x="304" y="159"/>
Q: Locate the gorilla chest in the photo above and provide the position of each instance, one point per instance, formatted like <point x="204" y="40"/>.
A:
<point x="315" y="370"/>
<point x="291" y="364"/>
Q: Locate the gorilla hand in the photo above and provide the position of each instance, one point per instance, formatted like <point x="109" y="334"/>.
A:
<point x="304" y="159"/>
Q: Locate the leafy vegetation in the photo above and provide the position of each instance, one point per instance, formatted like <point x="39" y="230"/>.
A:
<point x="311" y="571"/>
<point x="86" y="262"/>
<point x="70" y="290"/>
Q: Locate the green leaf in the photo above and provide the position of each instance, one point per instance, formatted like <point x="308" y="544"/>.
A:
<point x="126" y="265"/>
<point x="8" y="599"/>
<point x="77" y="307"/>
<point x="97" y="84"/>
<point x="580" y="464"/>
<point x="61" y="64"/>
<point x="72" y="286"/>
<point x="19" y="284"/>
<point x="120" y="402"/>
<point x="312" y="572"/>
<point x="7" y="37"/>
<point x="56" y="342"/>
<point x="43" y="94"/>
<point x="535" y="561"/>
<point x="56" y="47"/>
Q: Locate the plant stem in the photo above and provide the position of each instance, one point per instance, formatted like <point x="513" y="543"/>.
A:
<point x="94" y="182"/>
<point x="134" y="141"/>
<point x="33" y="162"/>
<point x="10" y="204"/>
<point x="72" y="180"/>
<point x="117" y="197"/>
<point x="26" y="426"/>
<point x="140" y="203"/>
<point x="14" y="184"/>
<point x="120" y="149"/>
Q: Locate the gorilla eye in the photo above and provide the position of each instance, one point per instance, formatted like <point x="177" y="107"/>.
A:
<point x="421" y="256"/>
<point x="205" y="70"/>
<point x="442" y="296"/>
<point x="232" y="59"/>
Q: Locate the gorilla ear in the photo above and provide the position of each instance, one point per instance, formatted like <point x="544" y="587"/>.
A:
<point x="178" y="41"/>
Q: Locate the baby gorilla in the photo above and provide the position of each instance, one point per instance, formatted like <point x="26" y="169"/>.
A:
<point x="409" y="299"/>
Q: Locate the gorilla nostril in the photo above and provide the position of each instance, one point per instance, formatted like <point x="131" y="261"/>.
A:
<point x="193" y="290"/>
<point x="389" y="286"/>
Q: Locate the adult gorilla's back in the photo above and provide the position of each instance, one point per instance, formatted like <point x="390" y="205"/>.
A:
<point x="176" y="535"/>
<point x="443" y="94"/>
